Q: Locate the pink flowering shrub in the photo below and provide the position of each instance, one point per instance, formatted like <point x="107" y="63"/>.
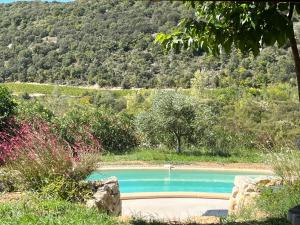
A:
<point x="37" y="153"/>
<point x="11" y="139"/>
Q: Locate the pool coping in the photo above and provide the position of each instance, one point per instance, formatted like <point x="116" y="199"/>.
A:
<point x="184" y="167"/>
<point x="155" y="195"/>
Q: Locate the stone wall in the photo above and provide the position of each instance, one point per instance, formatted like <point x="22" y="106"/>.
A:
<point x="246" y="189"/>
<point x="106" y="196"/>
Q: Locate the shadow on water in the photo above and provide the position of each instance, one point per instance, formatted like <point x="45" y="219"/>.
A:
<point x="270" y="221"/>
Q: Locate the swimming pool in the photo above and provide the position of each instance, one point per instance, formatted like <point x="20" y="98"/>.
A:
<point x="177" y="180"/>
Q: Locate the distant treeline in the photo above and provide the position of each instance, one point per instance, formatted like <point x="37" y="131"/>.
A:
<point x="110" y="43"/>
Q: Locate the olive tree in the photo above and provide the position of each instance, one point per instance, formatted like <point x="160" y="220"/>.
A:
<point x="170" y="120"/>
<point x="249" y="26"/>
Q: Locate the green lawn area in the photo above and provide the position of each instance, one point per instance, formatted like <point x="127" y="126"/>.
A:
<point x="34" y="210"/>
<point x="162" y="156"/>
<point x="48" y="89"/>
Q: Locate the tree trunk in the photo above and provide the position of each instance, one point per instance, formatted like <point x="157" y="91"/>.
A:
<point x="178" y="148"/>
<point x="296" y="59"/>
<point x="294" y="47"/>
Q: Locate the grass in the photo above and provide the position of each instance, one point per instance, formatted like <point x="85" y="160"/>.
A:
<point x="48" y="89"/>
<point x="162" y="156"/>
<point x="36" y="211"/>
<point x="33" y="210"/>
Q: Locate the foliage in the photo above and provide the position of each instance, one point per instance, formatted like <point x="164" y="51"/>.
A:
<point x="170" y="120"/>
<point x="163" y="156"/>
<point x="286" y="164"/>
<point x="9" y="138"/>
<point x="45" y="89"/>
<point x="225" y="24"/>
<point x="277" y="202"/>
<point x="217" y="26"/>
<point x="51" y="211"/>
<point x="258" y="119"/>
<point x="66" y="188"/>
<point x="9" y="180"/>
<point x="115" y="131"/>
<point x="40" y="156"/>
<point x="36" y="210"/>
<point x="33" y="110"/>
<point x="205" y="79"/>
<point x="7" y="106"/>
<point x="115" y="48"/>
<point x="108" y="100"/>
<point x="68" y="44"/>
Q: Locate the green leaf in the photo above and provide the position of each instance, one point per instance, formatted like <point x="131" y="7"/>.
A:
<point x="297" y="6"/>
<point x="283" y="6"/>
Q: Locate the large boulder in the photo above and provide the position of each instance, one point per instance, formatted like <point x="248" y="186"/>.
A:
<point x="106" y="196"/>
<point x="246" y="189"/>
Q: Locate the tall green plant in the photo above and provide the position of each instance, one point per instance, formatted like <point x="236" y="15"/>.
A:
<point x="7" y="106"/>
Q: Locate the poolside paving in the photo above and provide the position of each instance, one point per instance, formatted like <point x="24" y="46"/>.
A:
<point x="174" y="208"/>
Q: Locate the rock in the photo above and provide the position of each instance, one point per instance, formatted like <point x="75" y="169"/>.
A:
<point x="235" y="191"/>
<point x="106" y="197"/>
<point x="247" y="189"/>
<point x="91" y="203"/>
<point x="294" y="215"/>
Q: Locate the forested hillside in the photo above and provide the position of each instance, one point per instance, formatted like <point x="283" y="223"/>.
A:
<point x="110" y="43"/>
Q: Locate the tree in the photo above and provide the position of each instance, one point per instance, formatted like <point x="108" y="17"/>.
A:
<point x="7" y="106"/>
<point x="170" y="119"/>
<point x="249" y="26"/>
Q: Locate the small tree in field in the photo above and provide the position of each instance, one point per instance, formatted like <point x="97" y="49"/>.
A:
<point x="170" y="119"/>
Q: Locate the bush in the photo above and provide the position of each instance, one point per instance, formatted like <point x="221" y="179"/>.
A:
<point x="286" y="164"/>
<point x="115" y="131"/>
<point x="40" y="157"/>
<point x="277" y="202"/>
<point x="9" y="180"/>
<point x="30" y="111"/>
<point x="9" y="138"/>
<point x="66" y="188"/>
<point x="7" y="106"/>
<point x="108" y="100"/>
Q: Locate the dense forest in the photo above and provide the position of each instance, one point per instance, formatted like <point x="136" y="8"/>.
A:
<point x="110" y="43"/>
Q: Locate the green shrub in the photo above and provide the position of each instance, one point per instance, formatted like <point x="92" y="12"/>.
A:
<point x="33" y="110"/>
<point x="7" y="106"/>
<point x="108" y="100"/>
<point x="115" y="131"/>
<point x="66" y="188"/>
<point x="286" y="164"/>
<point x="73" y="124"/>
<point x="9" y="180"/>
<point x="277" y="202"/>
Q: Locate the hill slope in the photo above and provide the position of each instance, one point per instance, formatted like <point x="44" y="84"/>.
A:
<point x="110" y="43"/>
<point x="96" y="41"/>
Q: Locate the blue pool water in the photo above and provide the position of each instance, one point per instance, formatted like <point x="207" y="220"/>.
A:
<point x="11" y="1"/>
<point x="133" y="180"/>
